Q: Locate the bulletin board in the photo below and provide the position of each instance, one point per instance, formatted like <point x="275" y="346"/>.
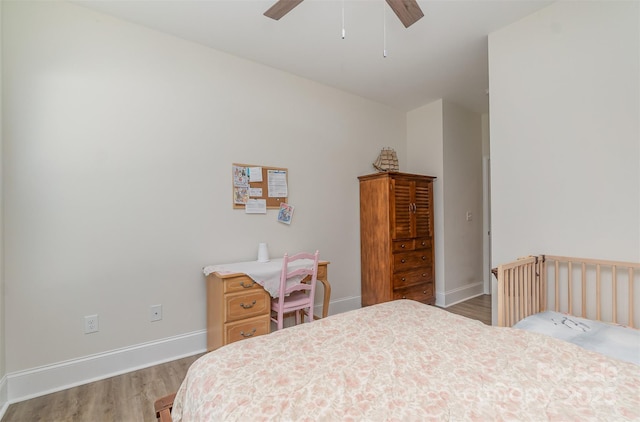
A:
<point x="272" y="185"/>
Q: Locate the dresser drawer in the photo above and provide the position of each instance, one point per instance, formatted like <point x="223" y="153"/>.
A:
<point x="421" y="275"/>
<point x="423" y="293"/>
<point x="240" y="284"/>
<point x="411" y="260"/>
<point x="246" y="305"/>
<point x="248" y="328"/>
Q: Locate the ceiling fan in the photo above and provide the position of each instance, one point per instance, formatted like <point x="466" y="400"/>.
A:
<point x="407" y="11"/>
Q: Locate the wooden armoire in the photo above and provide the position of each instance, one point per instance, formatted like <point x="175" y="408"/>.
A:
<point x="396" y="237"/>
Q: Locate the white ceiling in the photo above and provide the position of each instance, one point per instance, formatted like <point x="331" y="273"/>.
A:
<point x="443" y="55"/>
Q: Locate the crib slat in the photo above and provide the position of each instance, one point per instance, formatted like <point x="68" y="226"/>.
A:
<point x="532" y="288"/>
<point x="557" y="286"/>
<point x="569" y="286"/>
<point x="543" y="280"/>
<point x="614" y="281"/>
<point x="513" y="295"/>
<point x="506" y="297"/>
<point x="521" y="292"/>
<point x="598" y="295"/>
<point x="535" y="290"/>
<point x="510" y="297"/>
<point x="501" y="302"/>
<point x="631" y="297"/>
<point x="526" y="297"/>
<point x="584" y="290"/>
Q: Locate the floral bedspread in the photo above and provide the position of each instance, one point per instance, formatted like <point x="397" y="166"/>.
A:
<point x="405" y="361"/>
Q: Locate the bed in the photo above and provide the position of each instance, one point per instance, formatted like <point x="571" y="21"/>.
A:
<point x="406" y="361"/>
<point x="403" y="360"/>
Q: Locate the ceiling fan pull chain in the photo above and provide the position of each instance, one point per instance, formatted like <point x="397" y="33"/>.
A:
<point x="343" y="33"/>
<point x="384" y="30"/>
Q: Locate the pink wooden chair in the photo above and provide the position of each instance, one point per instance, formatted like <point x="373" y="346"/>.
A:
<point x="297" y="296"/>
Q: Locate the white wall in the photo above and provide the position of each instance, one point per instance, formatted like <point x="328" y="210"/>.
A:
<point x="445" y="140"/>
<point x="462" y="195"/>
<point x="486" y="204"/>
<point x="3" y="371"/>
<point x="118" y="149"/>
<point x="425" y="151"/>
<point x="565" y="137"/>
<point x="564" y="132"/>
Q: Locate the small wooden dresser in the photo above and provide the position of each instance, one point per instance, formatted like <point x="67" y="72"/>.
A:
<point x="237" y="308"/>
<point x="396" y="237"/>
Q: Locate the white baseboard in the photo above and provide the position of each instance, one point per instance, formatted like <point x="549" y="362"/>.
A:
<point x="23" y="385"/>
<point x="460" y="294"/>
<point x="4" y="401"/>
<point x="341" y="305"/>
<point x="47" y="379"/>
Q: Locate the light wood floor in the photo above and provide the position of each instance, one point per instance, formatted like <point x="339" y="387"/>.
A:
<point x="478" y="308"/>
<point x="130" y="397"/>
<point x="123" y="398"/>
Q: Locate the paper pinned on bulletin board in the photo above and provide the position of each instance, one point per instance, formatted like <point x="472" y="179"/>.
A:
<point x="255" y="174"/>
<point x="286" y="213"/>
<point x="277" y="183"/>
<point x="240" y="184"/>
<point x="256" y="206"/>
<point x="266" y="185"/>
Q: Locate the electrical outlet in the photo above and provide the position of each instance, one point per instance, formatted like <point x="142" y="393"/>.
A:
<point x="90" y="324"/>
<point x="156" y="312"/>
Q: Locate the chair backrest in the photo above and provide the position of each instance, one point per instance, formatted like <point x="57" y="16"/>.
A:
<point x="291" y="271"/>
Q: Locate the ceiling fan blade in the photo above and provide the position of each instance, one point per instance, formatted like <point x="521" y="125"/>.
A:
<point x="407" y="11"/>
<point x="281" y="8"/>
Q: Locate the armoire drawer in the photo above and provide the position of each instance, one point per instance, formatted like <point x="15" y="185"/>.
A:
<point x="423" y="243"/>
<point x="411" y="260"/>
<point x="421" y="275"/>
<point x="408" y="245"/>
<point x="421" y="293"/>
<point x="403" y="245"/>
<point x="247" y="328"/>
<point x="247" y="305"/>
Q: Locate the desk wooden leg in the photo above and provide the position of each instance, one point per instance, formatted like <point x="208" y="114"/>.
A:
<point x="327" y="297"/>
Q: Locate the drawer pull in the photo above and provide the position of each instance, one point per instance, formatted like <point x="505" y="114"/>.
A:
<point x="403" y="261"/>
<point x="424" y="243"/>
<point x="424" y="257"/>
<point x="404" y="279"/>
<point x="402" y="246"/>
<point x="424" y="274"/>
<point x="248" y="306"/>
<point x="424" y="292"/>
<point x="247" y="335"/>
<point x="404" y="297"/>
<point x="247" y="286"/>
